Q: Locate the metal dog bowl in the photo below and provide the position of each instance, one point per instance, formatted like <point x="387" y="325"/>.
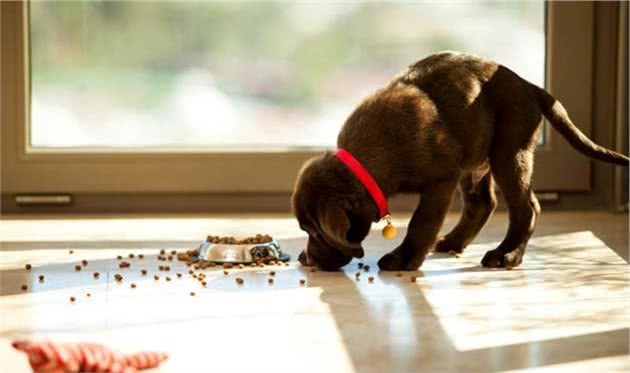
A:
<point x="241" y="253"/>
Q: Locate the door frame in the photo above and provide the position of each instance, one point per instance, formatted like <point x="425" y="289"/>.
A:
<point x="124" y="175"/>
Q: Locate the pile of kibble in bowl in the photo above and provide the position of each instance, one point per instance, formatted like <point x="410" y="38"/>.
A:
<point x="190" y="256"/>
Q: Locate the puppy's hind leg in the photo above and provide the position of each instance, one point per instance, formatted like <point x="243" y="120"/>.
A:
<point x="513" y="175"/>
<point x="479" y="201"/>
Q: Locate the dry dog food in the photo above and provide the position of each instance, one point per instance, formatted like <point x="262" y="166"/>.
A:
<point x="259" y="238"/>
<point x="162" y="252"/>
<point x="168" y="278"/>
<point x="173" y="252"/>
<point x="77" y="268"/>
<point x="124" y="264"/>
<point x="144" y="272"/>
<point x="239" y="281"/>
<point x="131" y="256"/>
<point x="71" y="251"/>
<point x="360" y="265"/>
<point x="371" y="279"/>
<point x="412" y="278"/>
<point x="119" y="257"/>
<point x="96" y="274"/>
<point x="398" y="274"/>
<point x="133" y="286"/>
<point x="24" y="287"/>
<point x="226" y="273"/>
<point x="88" y="294"/>
<point x="72" y="299"/>
<point x="272" y="273"/>
<point x="28" y="267"/>
<point x="366" y="268"/>
<point x="84" y="262"/>
<point x="302" y="281"/>
<point x="192" y="294"/>
<point x="41" y="278"/>
<point x="170" y="258"/>
<point x="118" y="277"/>
<point x="156" y="277"/>
<point x="179" y="275"/>
<point x="140" y="256"/>
<point x="270" y="281"/>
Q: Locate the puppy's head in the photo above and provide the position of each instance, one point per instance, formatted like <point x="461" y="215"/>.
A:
<point x="331" y="206"/>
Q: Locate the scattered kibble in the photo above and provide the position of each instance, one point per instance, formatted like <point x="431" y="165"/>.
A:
<point x="226" y="273"/>
<point x="194" y="275"/>
<point x="167" y="268"/>
<point x="272" y="273"/>
<point x="170" y="257"/>
<point x="360" y="265"/>
<point x="124" y="264"/>
<point x="84" y="262"/>
<point x="302" y="281"/>
<point x="239" y="281"/>
<point x="190" y="272"/>
<point x="357" y="274"/>
<point x="162" y="252"/>
<point x="192" y="294"/>
<point x="140" y="256"/>
<point x="131" y="256"/>
<point x="41" y="278"/>
<point x="144" y="272"/>
<point x="173" y="252"/>
<point x="28" y="267"/>
<point x="240" y="266"/>
<point x="119" y="257"/>
<point x="156" y="277"/>
<point x="133" y="286"/>
<point x="371" y="279"/>
<point x="118" y="277"/>
<point x="71" y="251"/>
<point x="270" y="281"/>
<point x="77" y="268"/>
<point x="398" y="274"/>
<point x="72" y="299"/>
<point x="24" y="287"/>
<point x="168" y="278"/>
<point x="88" y="294"/>
<point x="179" y="275"/>
<point x="227" y="265"/>
<point x="96" y="274"/>
<point x="412" y="278"/>
<point x="366" y="268"/>
<point x="204" y="283"/>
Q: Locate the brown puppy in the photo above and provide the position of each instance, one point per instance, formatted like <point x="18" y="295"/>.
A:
<point x="450" y="120"/>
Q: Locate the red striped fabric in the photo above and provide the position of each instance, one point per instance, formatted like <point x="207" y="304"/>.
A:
<point x="46" y="356"/>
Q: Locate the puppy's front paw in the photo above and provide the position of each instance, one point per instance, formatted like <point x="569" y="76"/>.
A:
<point x="398" y="261"/>
<point x="497" y="259"/>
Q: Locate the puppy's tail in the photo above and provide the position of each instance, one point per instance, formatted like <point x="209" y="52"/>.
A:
<point x="559" y="119"/>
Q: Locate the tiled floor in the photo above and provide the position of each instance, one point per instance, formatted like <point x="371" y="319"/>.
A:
<point x="567" y="308"/>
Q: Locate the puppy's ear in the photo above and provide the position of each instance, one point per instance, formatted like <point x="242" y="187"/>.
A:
<point x="346" y="231"/>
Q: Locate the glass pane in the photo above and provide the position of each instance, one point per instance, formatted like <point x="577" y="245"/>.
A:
<point x="244" y="75"/>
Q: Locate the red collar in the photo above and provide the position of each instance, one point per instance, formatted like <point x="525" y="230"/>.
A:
<point x="366" y="179"/>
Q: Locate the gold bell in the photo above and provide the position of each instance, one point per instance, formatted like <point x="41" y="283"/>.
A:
<point x="389" y="231"/>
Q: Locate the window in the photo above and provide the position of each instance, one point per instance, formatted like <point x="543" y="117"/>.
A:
<point x="244" y="75"/>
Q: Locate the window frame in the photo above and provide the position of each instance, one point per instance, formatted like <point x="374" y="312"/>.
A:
<point x="134" y="174"/>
